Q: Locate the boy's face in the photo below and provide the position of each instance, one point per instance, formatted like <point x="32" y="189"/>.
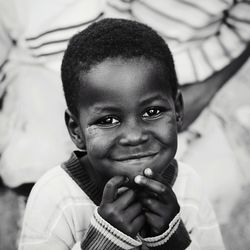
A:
<point x="127" y="118"/>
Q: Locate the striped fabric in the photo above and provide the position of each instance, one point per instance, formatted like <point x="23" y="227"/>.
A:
<point x="2" y="78"/>
<point x="54" y="41"/>
<point x="103" y="235"/>
<point x="60" y="216"/>
<point x="165" y="237"/>
<point x="37" y="32"/>
<point x="204" y="36"/>
<point x="2" y="71"/>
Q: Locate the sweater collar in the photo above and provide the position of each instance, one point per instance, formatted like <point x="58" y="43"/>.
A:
<point x="77" y="171"/>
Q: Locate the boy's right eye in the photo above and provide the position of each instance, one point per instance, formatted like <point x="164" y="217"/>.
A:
<point x="107" y="121"/>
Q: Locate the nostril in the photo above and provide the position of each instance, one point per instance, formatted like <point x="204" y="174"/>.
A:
<point x="133" y="139"/>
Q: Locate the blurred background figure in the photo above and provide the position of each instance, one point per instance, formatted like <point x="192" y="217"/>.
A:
<point x="33" y="37"/>
<point x="33" y="137"/>
<point x="210" y="43"/>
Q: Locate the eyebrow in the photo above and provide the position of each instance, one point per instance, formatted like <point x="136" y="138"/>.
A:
<point x="99" y="108"/>
<point x="153" y="98"/>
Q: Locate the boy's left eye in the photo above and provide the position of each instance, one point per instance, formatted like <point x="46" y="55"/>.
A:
<point x="153" y="112"/>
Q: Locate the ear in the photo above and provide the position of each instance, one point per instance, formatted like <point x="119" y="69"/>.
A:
<point x="179" y="110"/>
<point x="74" y="129"/>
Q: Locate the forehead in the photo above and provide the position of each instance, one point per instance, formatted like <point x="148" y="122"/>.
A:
<point x="117" y="77"/>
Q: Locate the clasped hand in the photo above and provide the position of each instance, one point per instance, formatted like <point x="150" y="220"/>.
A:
<point x="147" y="209"/>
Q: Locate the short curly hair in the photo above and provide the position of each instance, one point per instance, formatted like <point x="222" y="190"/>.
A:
<point x="111" y="38"/>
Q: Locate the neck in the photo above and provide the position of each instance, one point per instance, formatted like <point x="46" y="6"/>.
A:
<point x="94" y="176"/>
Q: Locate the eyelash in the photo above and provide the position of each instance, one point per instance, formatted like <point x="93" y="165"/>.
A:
<point x="110" y="121"/>
<point x="159" y="111"/>
<point x="104" y="121"/>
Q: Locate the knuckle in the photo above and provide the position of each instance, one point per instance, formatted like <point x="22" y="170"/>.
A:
<point x="163" y="189"/>
<point x="130" y="230"/>
<point x="114" y="212"/>
<point x="149" y="201"/>
<point x="105" y="211"/>
<point x="110" y="184"/>
<point x="120" y="220"/>
<point x="114" y="181"/>
<point x="110" y="211"/>
<point x="108" y="187"/>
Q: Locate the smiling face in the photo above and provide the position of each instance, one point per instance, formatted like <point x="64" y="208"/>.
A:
<point x="127" y="118"/>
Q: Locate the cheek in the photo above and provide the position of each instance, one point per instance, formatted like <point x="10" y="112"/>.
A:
<point x="98" y="141"/>
<point x="166" y="132"/>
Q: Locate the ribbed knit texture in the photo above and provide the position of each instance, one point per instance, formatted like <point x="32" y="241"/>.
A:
<point x="180" y="239"/>
<point x="81" y="177"/>
<point x="163" y="238"/>
<point x="102" y="234"/>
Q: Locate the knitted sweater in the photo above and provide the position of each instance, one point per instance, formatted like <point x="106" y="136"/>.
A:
<point x="61" y="214"/>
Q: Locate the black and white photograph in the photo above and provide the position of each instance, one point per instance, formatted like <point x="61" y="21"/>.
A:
<point x="124" y="125"/>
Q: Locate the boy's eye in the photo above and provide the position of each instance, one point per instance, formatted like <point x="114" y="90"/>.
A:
<point x="153" y="112"/>
<point x="107" y="121"/>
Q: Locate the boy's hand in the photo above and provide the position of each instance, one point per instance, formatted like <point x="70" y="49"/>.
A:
<point x="159" y="202"/>
<point x="123" y="212"/>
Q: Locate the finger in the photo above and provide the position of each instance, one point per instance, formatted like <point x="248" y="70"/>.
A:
<point x="164" y="191"/>
<point x="154" y="206"/>
<point x="111" y="188"/>
<point x="157" y="226"/>
<point x="125" y="199"/>
<point x="133" y="211"/>
<point x="167" y="211"/>
<point x="150" y="184"/>
<point x="152" y="219"/>
<point x="121" y="190"/>
<point x="138" y="223"/>
<point x="148" y="172"/>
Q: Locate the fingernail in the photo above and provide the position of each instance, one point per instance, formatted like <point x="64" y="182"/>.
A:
<point x="138" y="179"/>
<point x="148" y="172"/>
<point x="122" y="190"/>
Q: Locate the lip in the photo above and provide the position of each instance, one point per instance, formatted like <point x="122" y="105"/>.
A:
<point x="135" y="157"/>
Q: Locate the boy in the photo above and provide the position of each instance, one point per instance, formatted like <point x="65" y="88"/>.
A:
<point x="121" y="190"/>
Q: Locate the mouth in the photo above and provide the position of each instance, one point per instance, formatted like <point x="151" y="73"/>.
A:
<point x="135" y="158"/>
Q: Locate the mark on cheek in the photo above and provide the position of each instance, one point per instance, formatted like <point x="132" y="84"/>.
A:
<point x="91" y="131"/>
<point x="93" y="136"/>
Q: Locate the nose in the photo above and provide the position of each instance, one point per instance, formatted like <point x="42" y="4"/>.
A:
<point x="133" y="135"/>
